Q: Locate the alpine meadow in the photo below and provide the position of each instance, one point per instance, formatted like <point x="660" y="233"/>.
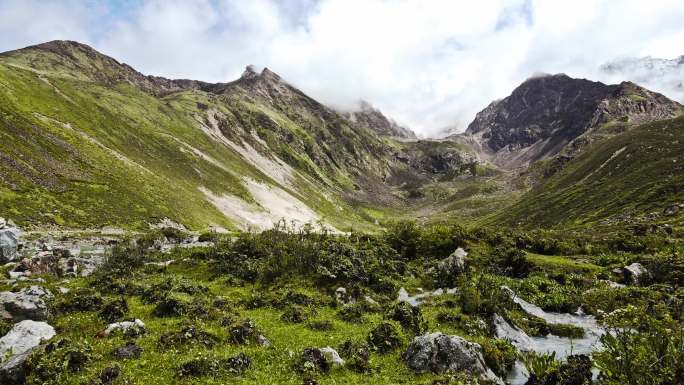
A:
<point x="261" y="230"/>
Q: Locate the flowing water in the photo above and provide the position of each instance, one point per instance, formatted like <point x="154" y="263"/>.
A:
<point x="562" y="346"/>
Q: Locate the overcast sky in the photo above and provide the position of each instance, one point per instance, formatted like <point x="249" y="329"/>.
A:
<point x="429" y="64"/>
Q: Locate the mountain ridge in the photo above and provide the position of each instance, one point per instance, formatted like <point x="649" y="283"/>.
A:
<point x="547" y="113"/>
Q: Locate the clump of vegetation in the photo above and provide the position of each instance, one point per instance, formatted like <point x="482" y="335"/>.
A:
<point x="500" y="356"/>
<point x="641" y="349"/>
<point x="79" y="300"/>
<point x="356" y="356"/>
<point x="296" y="314"/>
<point x="172" y="306"/>
<point x="57" y="361"/>
<point x="214" y="367"/>
<point x="321" y="325"/>
<point x="243" y="332"/>
<point x="114" y="310"/>
<point x="385" y="337"/>
<point x="409" y="317"/>
<point x="189" y="335"/>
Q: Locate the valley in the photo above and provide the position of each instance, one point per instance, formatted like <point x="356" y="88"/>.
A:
<point x="162" y="231"/>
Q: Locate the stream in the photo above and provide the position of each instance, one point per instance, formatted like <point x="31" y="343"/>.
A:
<point x="563" y="346"/>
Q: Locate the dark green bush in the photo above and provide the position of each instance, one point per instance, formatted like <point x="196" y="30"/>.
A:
<point x="385" y="338"/>
<point x="409" y="317"/>
<point x="114" y="310"/>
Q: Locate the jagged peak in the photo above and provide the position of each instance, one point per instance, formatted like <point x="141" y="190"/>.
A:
<point x="250" y="72"/>
<point x="268" y="74"/>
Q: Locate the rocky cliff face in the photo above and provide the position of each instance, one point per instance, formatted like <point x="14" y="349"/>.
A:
<point x="546" y="113"/>
<point x="370" y="117"/>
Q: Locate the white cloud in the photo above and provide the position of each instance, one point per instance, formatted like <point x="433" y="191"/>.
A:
<point x="430" y="65"/>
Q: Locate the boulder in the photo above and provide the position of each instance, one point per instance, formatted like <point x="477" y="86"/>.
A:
<point x="440" y="353"/>
<point x="9" y="243"/>
<point x="27" y="304"/>
<point x="25" y="336"/>
<point x="451" y="267"/>
<point x="636" y="273"/>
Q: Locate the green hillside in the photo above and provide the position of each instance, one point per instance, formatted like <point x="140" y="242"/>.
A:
<point x="618" y="180"/>
<point x="87" y="141"/>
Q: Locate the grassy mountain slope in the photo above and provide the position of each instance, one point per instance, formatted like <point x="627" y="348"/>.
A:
<point x="87" y="141"/>
<point x="620" y="179"/>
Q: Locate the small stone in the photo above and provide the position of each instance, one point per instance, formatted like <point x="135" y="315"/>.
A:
<point x="129" y="351"/>
<point x="263" y="341"/>
<point x="136" y="327"/>
<point x="332" y="356"/>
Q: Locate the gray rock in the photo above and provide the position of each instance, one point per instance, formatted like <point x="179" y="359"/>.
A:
<point x="636" y="273"/>
<point x="25" y="336"/>
<point x="9" y="244"/>
<point x="332" y="357"/>
<point x="454" y="263"/>
<point x="263" y="341"/>
<point x="12" y="371"/>
<point x="342" y="296"/>
<point x="27" y="304"/>
<point x="439" y="353"/>
<point x="129" y="351"/>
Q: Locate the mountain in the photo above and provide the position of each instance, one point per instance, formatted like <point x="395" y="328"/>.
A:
<point x="87" y="141"/>
<point x="370" y="117"/>
<point x="663" y="75"/>
<point x="631" y="177"/>
<point x="547" y="113"/>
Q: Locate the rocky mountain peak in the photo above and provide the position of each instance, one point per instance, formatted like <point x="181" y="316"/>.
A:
<point x="250" y="72"/>
<point x="370" y="117"/>
<point x="545" y="113"/>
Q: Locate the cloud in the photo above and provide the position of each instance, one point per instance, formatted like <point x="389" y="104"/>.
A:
<point x="430" y="65"/>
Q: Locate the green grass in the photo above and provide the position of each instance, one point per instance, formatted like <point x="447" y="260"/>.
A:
<point x="632" y="174"/>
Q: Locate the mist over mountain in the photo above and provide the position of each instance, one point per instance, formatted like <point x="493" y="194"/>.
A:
<point x="662" y="75"/>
